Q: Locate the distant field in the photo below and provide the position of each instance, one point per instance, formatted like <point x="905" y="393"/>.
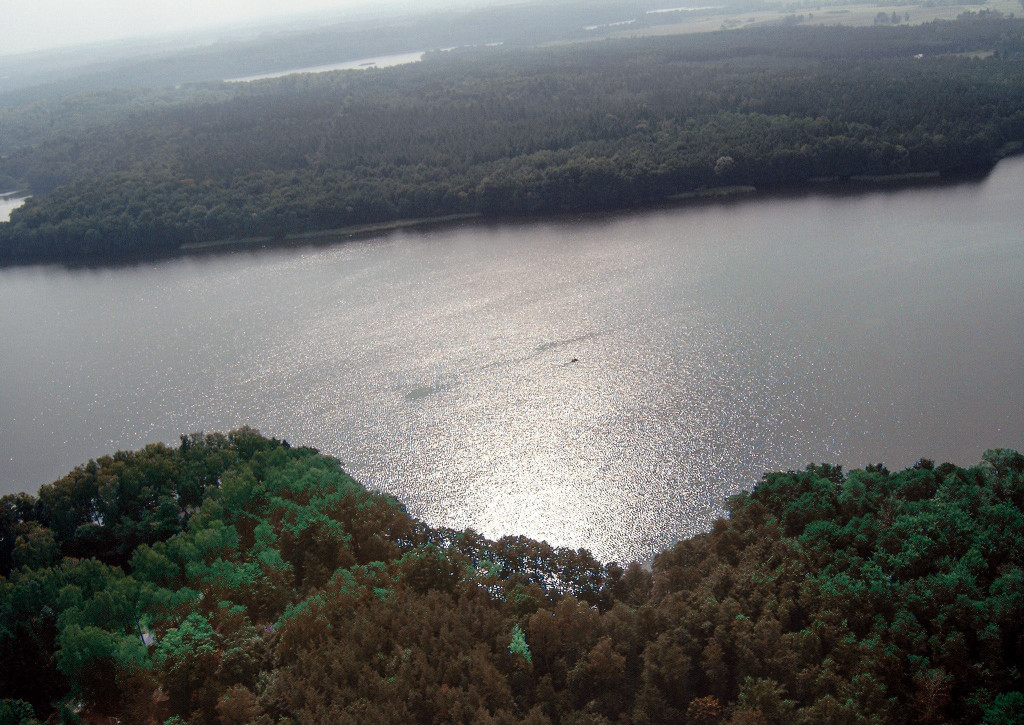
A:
<point x="853" y="15"/>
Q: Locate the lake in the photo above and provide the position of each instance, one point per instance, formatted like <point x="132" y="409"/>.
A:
<point x="380" y="61"/>
<point x="8" y="203"/>
<point x="602" y="382"/>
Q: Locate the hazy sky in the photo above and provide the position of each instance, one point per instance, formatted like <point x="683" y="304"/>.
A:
<point x="27" y="25"/>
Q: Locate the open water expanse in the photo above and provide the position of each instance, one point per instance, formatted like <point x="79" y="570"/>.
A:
<point x="603" y="382"/>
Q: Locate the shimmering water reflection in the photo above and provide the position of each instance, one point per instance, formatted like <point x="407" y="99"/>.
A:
<point x="601" y="383"/>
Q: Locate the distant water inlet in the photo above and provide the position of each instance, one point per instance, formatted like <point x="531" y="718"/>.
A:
<point x="684" y="9"/>
<point x="10" y="201"/>
<point x="602" y="382"/>
<point x="380" y="61"/>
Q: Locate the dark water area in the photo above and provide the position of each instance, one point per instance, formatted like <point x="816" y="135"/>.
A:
<point x="603" y="382"/>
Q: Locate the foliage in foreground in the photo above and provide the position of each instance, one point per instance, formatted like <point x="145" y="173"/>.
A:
<point x="236" y="579"/>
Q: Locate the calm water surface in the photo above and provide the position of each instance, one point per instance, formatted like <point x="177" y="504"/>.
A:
<point x="380" y="61"/>
<point x="8" y="203"/>
<point x="711" y="344"/>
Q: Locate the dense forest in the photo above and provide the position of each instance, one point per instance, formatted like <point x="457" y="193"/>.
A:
<point x="323" y="40"/>
<point x="507" y="131"/>
<point x="237" y="579"/>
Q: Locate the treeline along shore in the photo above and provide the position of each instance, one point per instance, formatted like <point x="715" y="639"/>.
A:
<point x="507" y="132"/>
<point x="239" y="579"/>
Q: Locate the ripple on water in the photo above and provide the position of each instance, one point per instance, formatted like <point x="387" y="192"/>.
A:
<point x="600" y="383"/>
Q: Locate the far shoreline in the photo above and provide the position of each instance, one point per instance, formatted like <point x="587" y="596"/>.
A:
<point x="831" y="186"/>
<point x="727" y="194"/>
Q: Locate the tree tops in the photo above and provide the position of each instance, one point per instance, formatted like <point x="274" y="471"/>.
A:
<point x="237" y="579"/>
